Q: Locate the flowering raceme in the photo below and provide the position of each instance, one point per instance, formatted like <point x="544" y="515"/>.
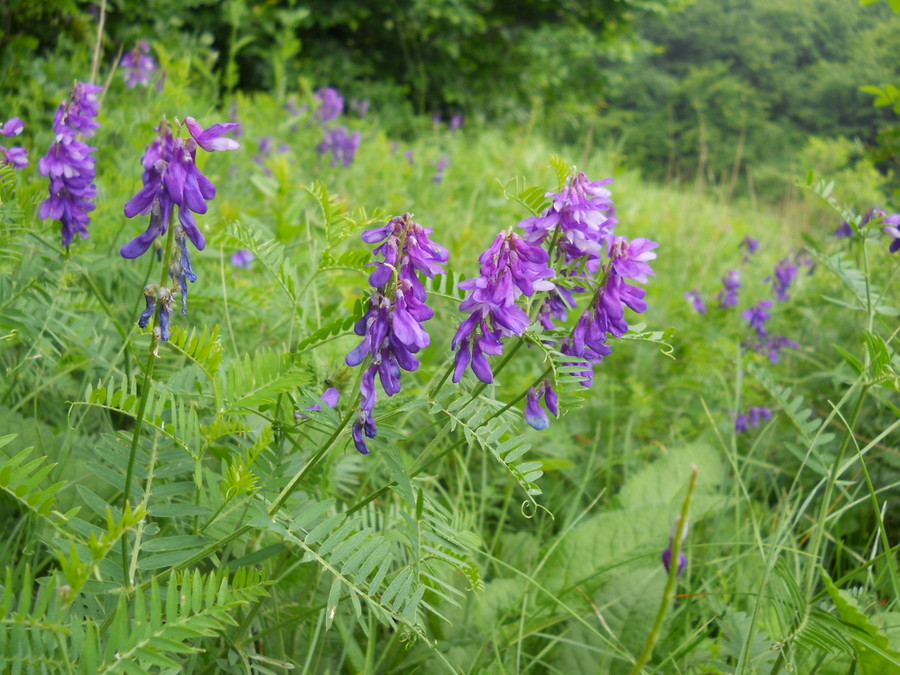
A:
<point x="70" y="165"/>
<point x="138" y="67"/>
<point x="15" y="157"/>
<point x="171" y="178"/>
<point x="510" y="268"/>
<point x="392" y="329"/>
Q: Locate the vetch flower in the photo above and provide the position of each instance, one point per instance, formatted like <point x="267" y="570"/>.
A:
<point x="892" y="228"/>
<point x="785" y="273"/>
<point x="510" y="268"/>
<point x="70" y="165"/>
<point x="696" y="301"/>
<point x="331" y="104"/>
<point x="330" y="397"/>
<point x="757" y="316"/>
<point x="341" y="144"/>
<point x="750" y="246"/>
<point x="534" y="413"/>
<point x="242" y="258"/>
<point x="456" y="122"/>
<point x="14" y="157"/>
<point x="171" y="178"/>
<point x="138" y="67"/>
<point x="728" y="296"/>
<point x="667" y="554"/>
<point x="752" y="418"/>
<point x="360" y="106"/>
<point x="392" y="328"/>
<point x="12" y="127"/>
<point x="442" y="165"/>
<point x="843" y="231"/>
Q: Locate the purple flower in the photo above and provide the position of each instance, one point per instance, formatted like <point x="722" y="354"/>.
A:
<point x="752" y="419"/>
<point x="331" y="104"/>
<point x="70" y="165"/>
<point x="534" y="413"/>
<point x="14" y="157"/>
<point x="750" y="246"/>
<point x="667" y="554"/>
<point x="212" y="139"/>
<point x="12" y="127"/>
<point x="757" y="316"/>
<point x="728" y="296"/>
<point x="392" y="328"/>
<point x="171" y="178"/>
<point x="696" y="301"/>
<point x="410" y="157"/>
<point x="456" y="122"/>
<point x="330" y="397"/>
<point x="360" y="106"/>
<point x="844" y="230"/>
<point x="510" y="268"/>
<point x="584" y="214"/>
<point x="242" y="258"/>
<point x="150" y="298"/>
<point x="893" y="229"/>
<point x="342" y="145"/>
<point x="785" y="273"/>
<point x="772" y="346"/>
<point x="138" y="67"/>
<point x="442" y="165"/>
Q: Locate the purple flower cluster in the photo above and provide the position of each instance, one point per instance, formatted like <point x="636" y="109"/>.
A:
<point x="534" y="413"/>
<point x="510" y="268"/>
<point x="267" y="149"/>
<point x="731" y="282"/>
<point x="70" y="165"/>
<point x="696" y="301"/>
<point x="785" y="273"/>
<point x="171" y="178"/>
<point x="441" y="167"/>
<point x="750" y="246"/>
<point x="331" y="104"/>
<point x="392" y="329"/>
<point x="330" y="397"/>
<point x="764" y="342"/>
<point x="892" y="228"/>
<point x="627" y="261"/>
<point x="667" y="554"/>
<point x="15" y="157"/>
<point x="341" y="144"/>
<point x="138" y="67"/>
<point x="360" y="106"/>
<point x="582" y="216"/>
<point x="752" y="418"/>
<point x="243" y="258"/>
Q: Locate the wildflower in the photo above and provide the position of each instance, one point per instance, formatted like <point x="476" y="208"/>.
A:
<point x="785" y="273"/>
<point x="667" y="554"/>
<point x="150" y="298"/>
<point x="330" y="397"/>
<point x="69" y="163"/>
<point x="750" y="246"/>
<point x="342" y="145"/>
<point x="757" y="316"/>
<point x="456" y="122"/>
<point x="606" y="314"/>
<point x="410" y="157"/>
<point x="534" y="413"/>
<point x="893" y="228"/>
<point x="728" y="296"/>
<point x="243" y="258"/>
<point x="510" y="268"/>
<point x="171" y="178"/>
<point x="138" y="67"/>
<point x="331" y="104"/>
<point x="803" y="258"/>
<point x="752" y="418"/>
<point x="696" y="301"/>
<point x="392" y="329"/>
<point x="12" y="127"/>
<point x="15" y="157"/>
<point x="442" y="165"/>
<point x="843" y="230"/>
<point x="584" y="215"/>
<point x="360" y="106"/>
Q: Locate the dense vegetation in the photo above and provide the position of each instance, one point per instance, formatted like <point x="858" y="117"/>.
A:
<point x="293" y="476"/>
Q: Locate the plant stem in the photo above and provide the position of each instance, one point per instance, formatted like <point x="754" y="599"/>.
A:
<point x="142" y="404"/>
<point x="670" y="582"/>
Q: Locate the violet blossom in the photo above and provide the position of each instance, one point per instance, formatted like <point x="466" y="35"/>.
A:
<point x="731" y="282"/>
<point x="510" y="268"/>
<point x="70" y="165"/>
<point x="330" y="397"/>
<point x="14" y="157"/>
<point x="750" y="246"/>
<point x="341" y="144"/>
<point x="441" y="167"/>
<point x="331" y="104"/>
<point x="752" y="418"/>
<point x="171" y="178"/>
<point x="392" y="328"/>
<point x="696" y="301"/>
<point x="785" y="273"/>
<point x="534" y="413"/>
<point x="892" y="228"/>
<point x="138" y="67"/>
<point x="667" y="554"/>
<point x="242" y="258"/>
<point x="757" y="316"/>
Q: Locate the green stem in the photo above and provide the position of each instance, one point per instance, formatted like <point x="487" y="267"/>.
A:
<point x="142" y="404"/>
<point x="668" y="592"/>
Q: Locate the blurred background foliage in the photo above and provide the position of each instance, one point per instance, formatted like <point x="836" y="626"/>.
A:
<point x="724" y="92"/>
